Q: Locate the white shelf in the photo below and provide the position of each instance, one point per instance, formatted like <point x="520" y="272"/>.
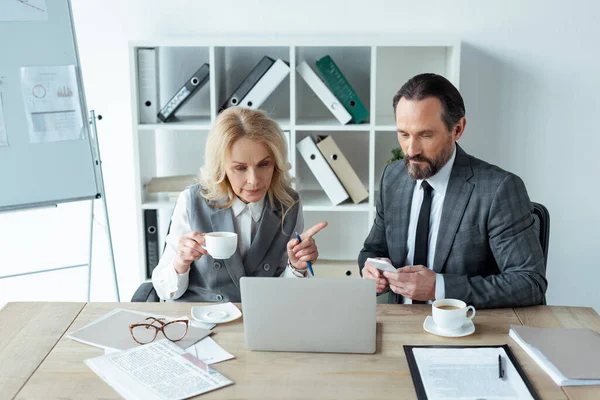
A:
<point x="328" y="124"/>
<point x="374" y="66"/>
<point x="180" y="124"/>
<point x="158" y="205"/>
<point x="317" y="200"/>
<point x="191" y="123"/>
<point x="385" y="128"/>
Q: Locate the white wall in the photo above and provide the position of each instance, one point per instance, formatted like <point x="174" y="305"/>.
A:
<point x="530" y="73"/>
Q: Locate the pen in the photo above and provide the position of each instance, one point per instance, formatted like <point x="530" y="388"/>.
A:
<point x="500" y="371"/>
<point x="308" y="262"/>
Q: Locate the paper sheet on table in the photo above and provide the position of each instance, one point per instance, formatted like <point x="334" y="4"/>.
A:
<point x="159" y="370"/>
<point x="3" y="136"/>
<point x="468" y="374"/>
<point x="23" y="10"/>
<point x="111" y="331"/>
<point x="52" y="104"/>
<point x="209" y="351"/>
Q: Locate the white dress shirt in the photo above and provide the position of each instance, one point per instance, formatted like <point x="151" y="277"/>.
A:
<point x="170" y="285"/>
<point x="439" y="183"/>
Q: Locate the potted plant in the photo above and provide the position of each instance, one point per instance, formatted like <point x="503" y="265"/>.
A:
<point x="397" y="155"/>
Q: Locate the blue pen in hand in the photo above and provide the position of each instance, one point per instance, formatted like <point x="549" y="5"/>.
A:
<point x="308" y="262"/>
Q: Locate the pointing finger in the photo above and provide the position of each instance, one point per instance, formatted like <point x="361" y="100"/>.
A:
<point x="313" y="230"/>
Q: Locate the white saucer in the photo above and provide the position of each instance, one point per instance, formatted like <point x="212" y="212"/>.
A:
<point x="216" y="314"/>
<point x="465" y="330"/>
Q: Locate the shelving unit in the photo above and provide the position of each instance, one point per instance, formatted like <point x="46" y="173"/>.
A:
<point x="375" y="67"/>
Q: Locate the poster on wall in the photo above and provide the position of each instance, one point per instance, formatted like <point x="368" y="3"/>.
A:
<point x="52" y="103"/>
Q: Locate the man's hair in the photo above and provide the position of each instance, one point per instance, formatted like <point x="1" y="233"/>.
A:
<point x="427" y="85"/>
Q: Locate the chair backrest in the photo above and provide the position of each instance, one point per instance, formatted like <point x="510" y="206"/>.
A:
<point x="542" y="223"/>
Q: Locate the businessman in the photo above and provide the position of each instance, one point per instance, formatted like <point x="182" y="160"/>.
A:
<point x="454" y="226"/>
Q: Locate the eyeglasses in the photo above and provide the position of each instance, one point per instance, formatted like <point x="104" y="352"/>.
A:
<point x="146" y="332"/>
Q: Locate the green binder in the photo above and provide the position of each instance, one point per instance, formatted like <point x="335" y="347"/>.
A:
<point x="337" y="83"/>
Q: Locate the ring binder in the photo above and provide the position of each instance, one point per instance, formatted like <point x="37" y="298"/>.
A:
<point x="248" y="83"/>
<point x="342" y="169"/>
<point x="151" y="236"/>
<point x="266" y="85"/>
<point x="148" y="88"/>
<point x="186" y="92"/>
<point x="323" y="93"/>
<point x="322" y="171"/>
<point x="340" y="87"/>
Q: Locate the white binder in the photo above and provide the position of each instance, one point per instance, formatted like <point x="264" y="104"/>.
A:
<point x="266" y="85"/>
<point x="148" y="86"/>
<point x="323" y="93"/>
<point x="288" y="138"/>
<point x="322" y="171"/>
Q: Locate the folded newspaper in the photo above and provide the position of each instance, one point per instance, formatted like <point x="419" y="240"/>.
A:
<point x="157" y="371"/>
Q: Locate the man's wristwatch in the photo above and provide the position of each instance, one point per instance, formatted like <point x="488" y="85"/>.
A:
<point x="300" y="273"/>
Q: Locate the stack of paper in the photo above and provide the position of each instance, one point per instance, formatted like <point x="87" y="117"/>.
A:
<point x="158" y="370"/>
<point x="568" y="356"/>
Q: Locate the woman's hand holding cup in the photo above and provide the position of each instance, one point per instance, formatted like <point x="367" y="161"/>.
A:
<point x="189" y="250"/>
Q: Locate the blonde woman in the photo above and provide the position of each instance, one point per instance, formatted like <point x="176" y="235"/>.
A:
<point x="245" y="188"/>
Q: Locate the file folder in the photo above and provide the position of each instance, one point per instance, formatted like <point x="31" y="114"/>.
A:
<point x="341" y="89"/>
<point x="288" y="143"/>
<point x="449" y="368"/>
<point x="151" y="239"/>
<point x="186" y="92"/>
<point x="248" y="83"/>
<point x="343" y="170"/>
<point x="322" y="171"/>
<point x="568" y="355"/>
<point x="147" y="66"/>
<point x="266" y="85"/>
<point x="323" y="93"/>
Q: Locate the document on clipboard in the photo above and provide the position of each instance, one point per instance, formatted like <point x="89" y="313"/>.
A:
<point x="467" y="372"/>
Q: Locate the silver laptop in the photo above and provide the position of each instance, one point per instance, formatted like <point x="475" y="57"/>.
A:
<point x="311" y="315"/>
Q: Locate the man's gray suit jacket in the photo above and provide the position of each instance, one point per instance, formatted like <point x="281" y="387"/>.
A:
<point x="487" y="246"/>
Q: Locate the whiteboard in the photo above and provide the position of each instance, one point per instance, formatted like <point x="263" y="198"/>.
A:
<point x="34" y="34"/>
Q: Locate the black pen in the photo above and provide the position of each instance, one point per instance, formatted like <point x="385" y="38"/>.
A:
<point x="500" y="371"/>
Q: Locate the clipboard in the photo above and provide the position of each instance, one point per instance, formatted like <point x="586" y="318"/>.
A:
<point x="416" y="375"/>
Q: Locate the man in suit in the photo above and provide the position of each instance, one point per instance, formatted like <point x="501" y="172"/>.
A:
<point x="454" y="226"/>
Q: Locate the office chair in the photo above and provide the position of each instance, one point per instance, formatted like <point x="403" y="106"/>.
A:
<point x="542" y="224"/>
<point x="541" y="217"/>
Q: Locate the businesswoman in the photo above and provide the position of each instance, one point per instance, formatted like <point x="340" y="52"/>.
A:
<point x="245" y="187"/>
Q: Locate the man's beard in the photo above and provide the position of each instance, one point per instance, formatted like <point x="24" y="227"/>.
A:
<point x="431" y="167"/>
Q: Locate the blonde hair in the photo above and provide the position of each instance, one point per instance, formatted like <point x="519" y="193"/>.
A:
<point x="231" y="125"/>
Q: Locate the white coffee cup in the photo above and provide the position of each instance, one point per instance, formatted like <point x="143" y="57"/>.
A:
<point x="220" y="245"/>
<point x="450" y="314"/>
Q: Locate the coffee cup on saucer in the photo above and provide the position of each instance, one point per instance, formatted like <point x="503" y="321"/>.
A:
<point x="451" y="314"/>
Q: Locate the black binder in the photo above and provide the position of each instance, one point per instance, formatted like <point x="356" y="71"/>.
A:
<point x="186" y="92"/>
<point x="151" y="240"/>
<point x="416" y="376"/>
<point x="248" y="83"/>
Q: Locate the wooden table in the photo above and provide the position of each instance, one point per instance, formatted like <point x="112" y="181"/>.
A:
<point x="38" y="361"/>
